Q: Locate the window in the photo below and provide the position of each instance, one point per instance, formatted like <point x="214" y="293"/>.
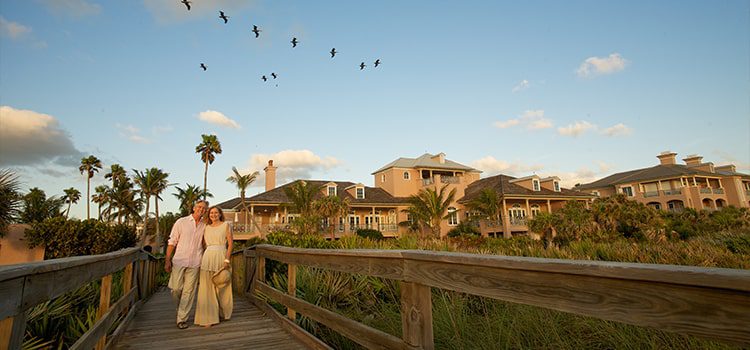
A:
<point x="557" y="186"/>
<point x="628" y="191"/>
<point x="331" y="191"/>
<point x="382" y="178"/>
<point x="360" y="193"/>
<point x="516" y="213"/>
<point x="353" y="222"/>
<point x="452" y="216"/>
<point x="655" y="205"/>
<point x="596" y="193"/>
<point x="535" y="210"/>
<point x="535" y="184"/>
<point x="406" y="175"/>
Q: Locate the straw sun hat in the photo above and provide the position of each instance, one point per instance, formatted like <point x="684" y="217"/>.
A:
<point x="222" y="277"/>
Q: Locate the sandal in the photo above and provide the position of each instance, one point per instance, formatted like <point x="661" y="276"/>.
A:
<point x="182" y="325"/>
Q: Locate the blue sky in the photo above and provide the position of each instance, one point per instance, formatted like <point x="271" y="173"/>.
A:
<point x="577" y="89"/>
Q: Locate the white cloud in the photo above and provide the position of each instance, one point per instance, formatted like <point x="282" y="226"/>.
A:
<point x="73" y="8"/>
<point x="618" y="130"/>
<point x="576" y="129"/>
<point x="218" y="118"/>
<point x="12" y="29"/>
<point x="540" y="124"/>
<point x="490" y="166"/>
<point x="594" y="66"/>
<point x="28" y="138"/>
<point x="132" y="133"/>
<point x="506" y="124"/>
<point x="523" y="85"/>
<point x="532" y="119"/>
<point x="292" y="165"/>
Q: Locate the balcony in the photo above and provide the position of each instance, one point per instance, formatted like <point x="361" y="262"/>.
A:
<point x="651" y="194"/>
<point x="673" y="192"/>
<point x="705" y="190"/>
<point x="450" y="179"/>
<point x="718" y="190"/>
<point x="516" y="221"/>
<point x="427" y="182"/>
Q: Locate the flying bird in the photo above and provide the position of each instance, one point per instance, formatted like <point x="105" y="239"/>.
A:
<point x="256" y="31"/>
<point x="264" y="78"/>
<point x="274" y="75"/>
<point x="187" y="3"/>
<point x="362" y="66"/>
<point x="224" y="17"/>
<point x="377" y="62"/>
<point x="203" y="65"/>
<point x="294" y="42"/>
<point x="333" y="52"/>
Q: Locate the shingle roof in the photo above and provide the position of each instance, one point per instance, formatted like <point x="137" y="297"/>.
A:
<point x="733" y="173"/>
<point x="277" y="195"/>
<point x="660" y="171"/>
<point x="230" y="204"/>
<point x="502" y="185"/>
<point x="424" y="161"/>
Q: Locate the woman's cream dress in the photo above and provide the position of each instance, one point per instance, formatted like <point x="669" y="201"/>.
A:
<point x="213" y="303"/>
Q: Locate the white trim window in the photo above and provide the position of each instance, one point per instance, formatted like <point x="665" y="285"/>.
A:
<point x="360" y="191"/>
<point x="535" y="184"/>
<point x="535" y="210"/>
<point x="556" y="185"/>
<point x="627" y="190"/>
<point x="406" y="175"/>
<point x="331" y="191"/>
<point x="452" y="216"/>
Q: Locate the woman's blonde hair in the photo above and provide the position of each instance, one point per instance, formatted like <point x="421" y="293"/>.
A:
<point x="208" y="214"/>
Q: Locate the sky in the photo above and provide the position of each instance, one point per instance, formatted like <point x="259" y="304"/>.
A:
<point x="575" y="89"/>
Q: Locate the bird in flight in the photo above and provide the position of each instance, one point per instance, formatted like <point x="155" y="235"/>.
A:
<point x="294" y="42"/>
<point x="256" y="31"/>
<point x="187" y="3"/>
<point x="224" y="17"/>
<point x="362" y="66"/>
<point x="264" y="78"/>
<point x="203" y="65"/>
<point x="274" y="75"/>
<point x="333" y="52"/>
<point x="377" y="62"/>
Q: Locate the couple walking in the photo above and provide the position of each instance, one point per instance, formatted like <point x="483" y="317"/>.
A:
<point x="190" y="236"/>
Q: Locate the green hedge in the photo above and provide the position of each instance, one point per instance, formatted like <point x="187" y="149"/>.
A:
<point x="71" y="237"/>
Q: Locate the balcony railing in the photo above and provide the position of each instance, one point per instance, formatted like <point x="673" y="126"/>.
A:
<point x="718" y="191"/>
<point x="427" y="182"/>
<point x="705" y="190"/>
<point x="672" y="192"/>
<point x="651" y="194"/>
<point x="450" y="179"/>
<point x="517" y="221"/>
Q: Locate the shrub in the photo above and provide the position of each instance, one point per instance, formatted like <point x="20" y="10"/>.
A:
<point x="464" y="228"/>
<point x="370" y="233"/>
<point x="62" y="237"/>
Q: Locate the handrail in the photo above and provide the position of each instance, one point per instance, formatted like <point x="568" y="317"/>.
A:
<point x="707" y="302"/>
<point x="23" y="286"/>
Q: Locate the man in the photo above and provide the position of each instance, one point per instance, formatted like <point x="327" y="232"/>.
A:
<point x="186" y="243"/>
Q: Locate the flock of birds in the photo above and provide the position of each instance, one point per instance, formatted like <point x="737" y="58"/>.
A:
<point x="256" y="30"/>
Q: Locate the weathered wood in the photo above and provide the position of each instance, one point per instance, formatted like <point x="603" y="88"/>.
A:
<point x="377" y="263"/>
<point x="261" y="274"/>
<point x="127" y="280"/>
<point x="416" y="315"/>
<point x="368" y="337"/>
<point x="120" y="330"/>
<point x="291" y="289"/>
<point x="11" y="292"/>
<point x="290" y="326"/>
<point x="98" y="332"/>
<point x="12" y="330"/>
<point x="12" y="271"/>
<point x="105" y="294"/>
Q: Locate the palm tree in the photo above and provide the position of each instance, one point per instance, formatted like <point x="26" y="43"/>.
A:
<point x="429" y="207"/>
<point x="120" y="196"/>
<point x="188" y="196"/>
<point x="208" y="148"/>
<point x="117" y="175"/>
<point x="101" y="197"/>
<point x="147" y="182"/>
<point x="89" y="166"/>
<point x="332" y="208"/>
<point x="72" y="196"/>
<point x="486" y="204"/>
<point x="161" y="185"/>
<point x="9" y="199"/>
<point x="37" y="207"/>
<point x="301" y="195"/>
<point x="242" y="182"/>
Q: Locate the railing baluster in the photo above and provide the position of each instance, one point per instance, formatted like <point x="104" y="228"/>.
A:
<point x="291" y="289"/>
<point x="105" y="293"/>
<point x="416" y="315"/>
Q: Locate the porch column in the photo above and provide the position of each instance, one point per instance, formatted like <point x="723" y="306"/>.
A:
<point x="252" y="218"/>
<point x="528" y="208"/>
<point x="694" y="182"/>
<point x="372" y="218"/>
<point x="506" y="221"/>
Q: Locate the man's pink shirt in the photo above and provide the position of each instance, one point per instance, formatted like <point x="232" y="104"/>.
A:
<point x="187" y="237"/>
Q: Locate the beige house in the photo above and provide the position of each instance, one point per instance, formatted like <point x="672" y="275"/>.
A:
<point x="382" y="207"/>
<point x="671" y="186"/>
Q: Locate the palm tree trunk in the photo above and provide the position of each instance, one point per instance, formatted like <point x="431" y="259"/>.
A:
<point x="68" y="211"/>
<point x="145" y="222"/>
<point x="158" y="231"/>
<point x="88" y="196"/>
<point x="205" y="181"/>
<point x="100" y="212"/>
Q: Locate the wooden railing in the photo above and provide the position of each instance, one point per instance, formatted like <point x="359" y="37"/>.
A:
<point x="23" y="286"/>
<point x="706" y="302"/>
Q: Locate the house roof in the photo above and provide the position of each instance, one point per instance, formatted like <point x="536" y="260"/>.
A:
<point x="277" y="195"/>
<point x="424" y="161"/>
<point x="660" y="171"/>
<point x="504" y="187"/>
<point x="733" y="173"/>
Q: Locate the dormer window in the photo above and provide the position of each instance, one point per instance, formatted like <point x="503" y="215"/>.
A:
<point x="556" y="185"/>
<point x="535" y="184"/>
<point x="331" y="191"/>
<point x="406" y="175"/>
<point x="360" y="193"/>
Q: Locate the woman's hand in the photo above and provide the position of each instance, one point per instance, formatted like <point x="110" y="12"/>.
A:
<point x="226" y="263"/>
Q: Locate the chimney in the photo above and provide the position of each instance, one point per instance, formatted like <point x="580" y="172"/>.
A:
<point x="439" y="157"/>
<point x="693" y="160"/>
<point x="729" y="168"/>
<point x="667" y="158"/>
<point x="270" y="176"/>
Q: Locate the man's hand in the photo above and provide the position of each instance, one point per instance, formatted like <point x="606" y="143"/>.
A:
<point x="168" y="265"/>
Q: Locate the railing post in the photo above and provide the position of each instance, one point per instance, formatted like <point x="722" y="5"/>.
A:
<point x="127" y="281"/>
<point x="105" y="293"/>
<point x="291" y="289"/>
<point x="12" y="330"/>
<point x="416" y="315"/>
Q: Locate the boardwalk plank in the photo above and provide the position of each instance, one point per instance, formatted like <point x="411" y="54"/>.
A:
<point x="154" y="326"/>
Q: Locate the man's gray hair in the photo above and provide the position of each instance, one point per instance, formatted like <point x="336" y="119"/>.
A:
<point x="199" y="201"/>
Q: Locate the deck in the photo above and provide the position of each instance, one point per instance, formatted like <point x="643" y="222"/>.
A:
<point x="154" y="325"/>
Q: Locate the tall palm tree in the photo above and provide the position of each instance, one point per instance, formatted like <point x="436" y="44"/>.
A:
<point x="243" y="182"/>
<point x="486" y="204"/>
<point x="118" y="176"/>
<point x="89" y="166"/>
<point x="101" y="197"/>
<point x="188" y="196"/>
<point x="122" y="197"/>
<point x="208" y="148"/>
<point x="9" y="199"/>
<point x="146" y="181"/>
<point x="37" y="207"/>
<point x="332" y="208"/>
<point x="72" y="196"/>
<point x="161" y="185"/>
<point x="429" y="207"/>
<point x="301" y="195"/>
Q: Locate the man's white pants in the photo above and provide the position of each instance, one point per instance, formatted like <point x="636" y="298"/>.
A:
<point x="183" y="282"/>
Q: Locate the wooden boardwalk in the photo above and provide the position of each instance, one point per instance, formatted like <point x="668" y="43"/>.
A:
<point x="154" y="326"/>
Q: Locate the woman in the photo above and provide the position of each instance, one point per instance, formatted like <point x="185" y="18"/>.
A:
<point x="214" y="303"/>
